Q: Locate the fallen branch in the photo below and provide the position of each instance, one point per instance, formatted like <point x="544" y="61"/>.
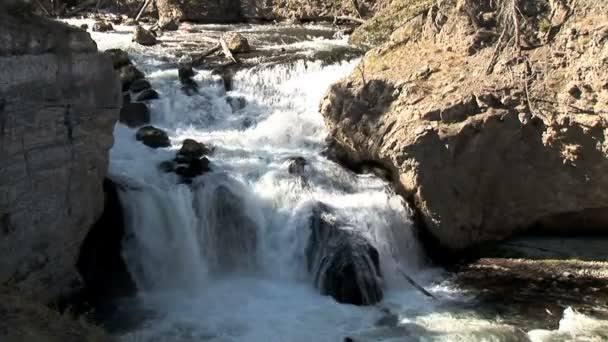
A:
<point x="415" y="284"/>
<point x="226" y="51"/>
<point x="141" y="11"/>
<point x="348" y="18"/>
<point x="196" y="59"/>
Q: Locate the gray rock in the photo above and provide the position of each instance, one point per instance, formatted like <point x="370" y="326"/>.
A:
<point x="236" y="102"/>
<point x="193" y="149"/>
<point x="134" y="114"/>
<point x="59" y="101"/>
<point x="237" y="43"/>
<point x="153" y="137"/>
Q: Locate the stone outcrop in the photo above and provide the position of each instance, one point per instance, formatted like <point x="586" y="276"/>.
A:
<point x="484" y="142"/>
<point x="59" y="101"/>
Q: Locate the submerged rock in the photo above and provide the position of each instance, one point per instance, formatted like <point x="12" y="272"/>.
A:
<point x="185" y="74"/>
<point x="296" y="166"/>
<point x="143" y="36"/>
<point x="134" y="114"/>
<point x="344" y="264"/>
<point x="147" y="95"/>
<point x="153" y="137"/>
<point x="236" y="102"/>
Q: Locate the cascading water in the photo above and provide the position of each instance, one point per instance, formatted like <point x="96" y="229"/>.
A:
<point x="230" y="258"/>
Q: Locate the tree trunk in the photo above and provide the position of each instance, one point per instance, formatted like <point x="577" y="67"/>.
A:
<point x="169" y="10"/>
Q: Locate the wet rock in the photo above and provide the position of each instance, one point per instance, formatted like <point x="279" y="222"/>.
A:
<point x="102" y="26"/>
<point x="126" y="98"/>
<point x="344" y="264"/>
<point x="143" y="36"/>
<point x="128" y="75"/>
<point x="237" y="43"/>
<point x="134" y="114"/>
<point x="194" y="168"/>
<point x="84" y="27"/>
<point x="169" y="25"/>
<point x="296" y="166"/>
<point x="130" y="22"/>
<point x="153" y="137"/>
<point x="147" y="95"/>
<point x="139" y="85"/>
<point x="192" y="149"/>
<point x="236" y="102"/>
<point x="185" y="74"/>
<point x="120" y="58"/>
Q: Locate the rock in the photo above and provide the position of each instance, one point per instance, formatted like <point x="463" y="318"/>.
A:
<point x="193" y="149"/>
<point x="84" y="27"/>
<point x="236" y="102"/>
<point x="343" y="263"/>
<point x="139" y="85"/>
<point x="101" y="253"/>
<point x="170" y="25"/>
<point x="102" y="26"/>
<point x="237" y="43"/>
<point x="120" y="58"/>
<point x="185" y="75"/>
<point x="194" y="168"/>
<point x="128" y="75"/>
<point x="126" y="98"/>
<point x="478" y="163"/>
<point x="134" y="114"/>
<point x="167" y="166"/>
<point x="153" y="137"/>
<point x="296" y="165"/>
<point x="147" y="95"/>
<point x="59" y="101"/>
<point x="130" y="22"/>
<point x="143" y="36"/>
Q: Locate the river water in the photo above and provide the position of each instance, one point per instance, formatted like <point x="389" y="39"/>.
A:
<point x="185" y="291"/>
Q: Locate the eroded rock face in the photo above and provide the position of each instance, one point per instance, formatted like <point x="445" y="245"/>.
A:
<point x="59" y="101"/>
<point x="479" y="155"/>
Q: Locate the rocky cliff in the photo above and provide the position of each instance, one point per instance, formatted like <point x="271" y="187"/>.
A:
<point x="59" y="100"/>
<point x="490" y="116"/>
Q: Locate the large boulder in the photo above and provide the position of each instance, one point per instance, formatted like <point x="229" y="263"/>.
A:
<point x="128" y="75"/>
<point x="120" y="58"/>
<point x="344" y="264"/>
<point x="59" y="101"/>
<point x="479" y="154"/>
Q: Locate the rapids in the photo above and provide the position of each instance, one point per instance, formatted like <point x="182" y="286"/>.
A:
<point x="254" y="285"/>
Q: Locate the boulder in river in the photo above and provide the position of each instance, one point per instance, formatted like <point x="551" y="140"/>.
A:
<point x="169" y="25"/>
<point x="139" y="85"/>
<point x="134" y="114"/>
<point x="237" y="43"/>
<point x="193" y="149"/>
<point x="185" y="74"/>
<point x="102" y="26"/>
<point x="343" y="263"/>
<point x="143" y="36"/>
<point x="128" y="75"/>
<point x="119" y="57"/>
<point x="147" y="95"/>
<point x="296" y="166"/>
<point x="153" y="137"/>
<point x="236" y="102"/>
<point x="193" y="168"/>
<point x="84" y="27"/>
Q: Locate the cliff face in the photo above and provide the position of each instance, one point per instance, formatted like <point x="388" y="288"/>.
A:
<point x="59" y="100"/>
<point x="486" y="137"/>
